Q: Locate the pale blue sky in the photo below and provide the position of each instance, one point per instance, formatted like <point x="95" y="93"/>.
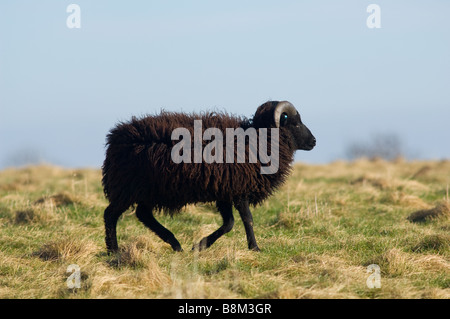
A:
<point x="62" y="89"/>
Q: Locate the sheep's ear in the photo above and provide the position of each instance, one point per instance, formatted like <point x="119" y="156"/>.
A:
<point x="284" y="109"/>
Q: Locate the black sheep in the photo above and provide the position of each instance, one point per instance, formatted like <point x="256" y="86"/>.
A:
<point x="139" y="169"/>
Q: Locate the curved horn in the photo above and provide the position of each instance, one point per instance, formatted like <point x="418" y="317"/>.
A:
<point x="283" y="107"/>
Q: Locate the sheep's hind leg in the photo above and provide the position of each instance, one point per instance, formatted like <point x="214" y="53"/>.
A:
<point x="226" y="210"/>
<point x="247" y="219"/>
<point x="111" y="216"/>
<point x="145" y="215"/>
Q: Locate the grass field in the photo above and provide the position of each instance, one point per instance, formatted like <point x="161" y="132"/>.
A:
<point x="317" y="234"/>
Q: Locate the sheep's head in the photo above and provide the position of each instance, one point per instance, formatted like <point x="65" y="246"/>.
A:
<point x="285" y="116"/>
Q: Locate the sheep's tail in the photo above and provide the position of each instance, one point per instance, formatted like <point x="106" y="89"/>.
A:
<point x="122" y="169"/>
<point x="105" y="178"/>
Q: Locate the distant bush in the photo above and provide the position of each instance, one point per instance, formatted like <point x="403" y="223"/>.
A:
<point x="24" y="156"/>
<point x="388" y="146"/>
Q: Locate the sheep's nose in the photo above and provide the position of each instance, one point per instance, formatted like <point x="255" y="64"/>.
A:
<point x="313" y="141"/>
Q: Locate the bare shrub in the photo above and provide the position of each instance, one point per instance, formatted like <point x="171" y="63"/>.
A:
<point x="388" y="146"/>
<point x="24" y="156"/>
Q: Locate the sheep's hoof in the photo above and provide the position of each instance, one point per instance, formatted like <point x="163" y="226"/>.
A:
<point x="198" y="247"/>
<point x="177" y="248"/>
<point x="255" y="248"/>
<point x="112" y="252"/>
<point x="202" y="245"/>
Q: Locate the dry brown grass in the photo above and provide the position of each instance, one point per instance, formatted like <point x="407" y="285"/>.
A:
<point x="66" y="249"/>
<point x="318" y="234"/>
<point x="441" y="210"/>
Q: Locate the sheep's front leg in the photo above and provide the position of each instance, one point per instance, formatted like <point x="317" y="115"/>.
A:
<point x="247" y="219"/>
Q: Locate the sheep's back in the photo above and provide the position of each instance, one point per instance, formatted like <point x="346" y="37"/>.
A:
<point x="139" y="167"/>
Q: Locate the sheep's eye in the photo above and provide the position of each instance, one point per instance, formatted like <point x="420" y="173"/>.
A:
<point x="283" y="119"/>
